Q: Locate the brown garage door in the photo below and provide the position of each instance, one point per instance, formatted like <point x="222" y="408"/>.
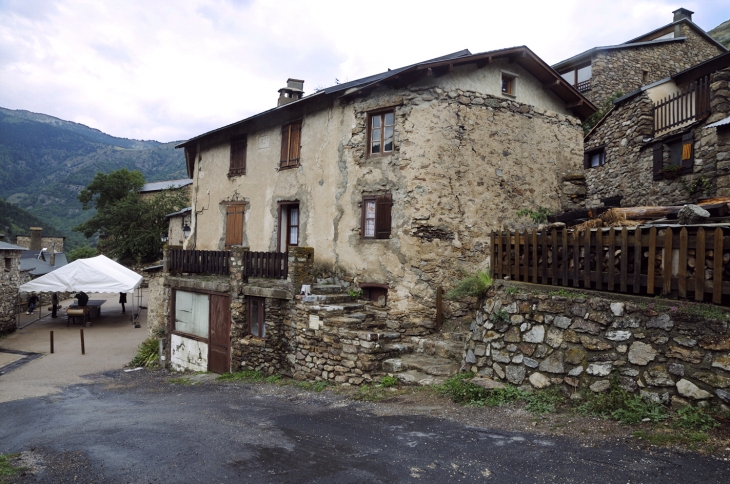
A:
<point x="219" y="356"/>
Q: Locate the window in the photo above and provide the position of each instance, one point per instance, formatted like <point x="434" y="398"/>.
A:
<point x="580" y="78"/>
<point x="594" y="158"/>
<point x="290" y="144"/>
<point x="376" y="219"/>
<point x="256" y="320"/>
<point x="191" y="313"/>
<point x="675" y="152"/>
<point x="289" y="224"/>
<point x="234" y="224"/>
<point x="381" y="132"/>
<point x="508" y="84"/>
<point x="8" y="264"/>
<point x="238" y="157"/>
<point x="374" y="292"/>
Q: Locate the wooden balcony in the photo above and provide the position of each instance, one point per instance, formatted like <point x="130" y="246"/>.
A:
<point x="683" y="107"/>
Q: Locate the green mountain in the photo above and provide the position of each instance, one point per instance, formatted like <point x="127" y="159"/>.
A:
<point x="721" y="33"/>
<point x="46" y="161"/>
<point x="16" y="221"/>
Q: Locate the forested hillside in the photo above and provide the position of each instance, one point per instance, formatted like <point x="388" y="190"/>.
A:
<point x="721" y="33"/>
<point x="46" y="161"/>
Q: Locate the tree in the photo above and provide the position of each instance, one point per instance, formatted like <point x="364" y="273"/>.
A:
<point x="81" y="253"/>
<point x="129" y="226"/>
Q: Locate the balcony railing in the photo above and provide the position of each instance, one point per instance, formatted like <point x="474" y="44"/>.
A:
<point x="584" y="86"/>
<point x="270" y="265"/>
<point x="684" y="107"/>
<point x="200" y="261"/>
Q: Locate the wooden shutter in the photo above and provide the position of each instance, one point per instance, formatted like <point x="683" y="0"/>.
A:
<point x="294" y="144"/>
<point x="238" y="157"/>
<point x="383" y="206"/>
<point x="234" y="225"/>
<point x="658" y="161"/>
<point x="284" y="146"/>
<point x="586" y="161"/>
<point x="687" y="159"/>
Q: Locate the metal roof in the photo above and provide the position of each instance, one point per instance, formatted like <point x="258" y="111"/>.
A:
<point x="162" y="185"/>
<point x="179" y="212"/>
<point x="722" y="122"/>
<point x="7" y="246"/>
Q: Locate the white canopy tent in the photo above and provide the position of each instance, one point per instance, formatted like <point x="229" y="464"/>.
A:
<point x="96" y="274"/>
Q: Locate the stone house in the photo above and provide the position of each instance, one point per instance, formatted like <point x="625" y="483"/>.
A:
<point x="665" y="143"/>
<point x="601" y="72"/>
<point x="10" y="280"/>
<point x="36" y="240"/>
<point x="151" y="189"/>
<point x="390" y="183"/>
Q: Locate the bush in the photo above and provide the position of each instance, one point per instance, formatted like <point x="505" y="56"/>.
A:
<point x="388" y="381"/>
<point x="148" y="354"/>
<point x="694" y="419"/>
<point x="471" y="286"/>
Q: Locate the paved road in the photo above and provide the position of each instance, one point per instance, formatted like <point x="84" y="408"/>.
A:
<point x="136" y="427"/>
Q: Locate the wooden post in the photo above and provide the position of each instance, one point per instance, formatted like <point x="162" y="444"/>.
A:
<point x="508" y="259"/>
<point x="667" y="261"/>
<point x="652" y="258"/>
<point x="500" y="255"/>
<point x="682" y="275"/>
<point x="543" y="237"/>
<point x="554" y="245"/>
<point x="83" y="349"/>
<point x="516" y="271"/>
<point x="493" y="256"/>
<point x="637" y="259"/>
<point x="611" y="257"/>
<point x="717" y="268"/>
<point x="624" y="259"/>
<point x="565" y="257"/>
<point x="526" y="275"/>
<point x="700" y="266"/>
<point x="599" y="259"/>
<point x="576" y="258"/>
<point x="51" y="342"/>
<point x="587" y="259"/>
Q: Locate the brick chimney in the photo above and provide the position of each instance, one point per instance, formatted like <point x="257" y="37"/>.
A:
<point x="292" y="92"/>
<point x="681" y="13"/>
<point x="53" y="254"/>
<point x="36" y="243"/>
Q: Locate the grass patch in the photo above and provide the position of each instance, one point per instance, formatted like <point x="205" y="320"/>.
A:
<point x="6" y="468"/>
<point x="388" y="381"/>
<point x="544" y="401"/>
<point x="183" y="380"/>
<point x="148" y="355"/>
<point x="618" y="404"/>
<point x="244" y="375"/>
<point x="316" y="386"/>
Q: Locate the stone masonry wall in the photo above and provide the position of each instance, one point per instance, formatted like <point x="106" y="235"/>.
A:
<point x="669" y="351"/>
<point x="10" y="280"/>
<point x="46" y="241"/>
<point x="628" y="171"/>
<point x="622" y="70"/>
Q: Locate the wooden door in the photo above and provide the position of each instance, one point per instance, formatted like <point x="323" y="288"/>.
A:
<point x="219" y="347"/>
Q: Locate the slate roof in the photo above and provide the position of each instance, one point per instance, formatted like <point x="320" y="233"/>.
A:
<point x="7" y="246"/>
<point x="29" y="261"/>
<point x="179" y="212"/>
<point x="162" y="185"/>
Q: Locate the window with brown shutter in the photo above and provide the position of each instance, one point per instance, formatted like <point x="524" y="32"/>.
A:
<point x="376" y="219"/>
<point x="234" y="225"/>
<point x="681" y="154"/>
<point x="290" y="144"/>
<point x="238" y="157"/>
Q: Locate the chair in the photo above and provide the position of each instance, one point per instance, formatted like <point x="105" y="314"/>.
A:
<point x="77" y="313"/>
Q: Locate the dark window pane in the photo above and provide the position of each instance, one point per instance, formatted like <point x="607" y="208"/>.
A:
<point x="254" y="317"/>
<point x="375" y="147"/>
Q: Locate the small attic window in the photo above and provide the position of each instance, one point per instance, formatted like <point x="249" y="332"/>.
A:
<point x="670" y="35"/>
<point x="509" y="82"/>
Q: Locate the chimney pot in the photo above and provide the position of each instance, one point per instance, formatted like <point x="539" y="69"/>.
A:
<point x="292" y="92"/>
<point x="681" y="13"/>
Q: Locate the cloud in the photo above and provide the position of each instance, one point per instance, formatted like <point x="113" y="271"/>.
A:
<point x="170" y="71"/>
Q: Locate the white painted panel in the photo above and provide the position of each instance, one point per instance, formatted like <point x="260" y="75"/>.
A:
<point x="192" y="313"/>
<point x="188" y="354"/>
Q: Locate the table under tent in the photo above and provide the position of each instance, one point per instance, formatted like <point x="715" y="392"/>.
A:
<point x="94" y="275"/>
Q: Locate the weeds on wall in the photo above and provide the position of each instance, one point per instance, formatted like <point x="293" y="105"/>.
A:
<point x="471" y="286"/>
<point x="698" y="186"/>
<point x="539" y="216"/>
<point x="618" y="404"/>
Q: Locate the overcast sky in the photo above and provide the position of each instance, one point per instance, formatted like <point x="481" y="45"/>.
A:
<point x="170" y="70"/>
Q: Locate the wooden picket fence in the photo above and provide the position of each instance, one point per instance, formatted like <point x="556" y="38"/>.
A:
<point x="687" y="262"/>
<point x="200" y="261"/>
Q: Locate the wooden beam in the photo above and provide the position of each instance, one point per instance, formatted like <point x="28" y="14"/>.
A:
<point x="484" y="62"/>
<point x="551" y="84"/>
<point x="574" y="105"/>
<point x="443" y="71"/>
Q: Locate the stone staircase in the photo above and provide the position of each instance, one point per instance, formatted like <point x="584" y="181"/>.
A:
<point x="421" y="360"/>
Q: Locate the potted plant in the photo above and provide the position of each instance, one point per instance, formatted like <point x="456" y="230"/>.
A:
<point x="671" y="172"/>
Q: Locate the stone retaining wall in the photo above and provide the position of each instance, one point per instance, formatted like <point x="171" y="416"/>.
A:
<point x="10" y="280"/>
<point x="666" y="351"/>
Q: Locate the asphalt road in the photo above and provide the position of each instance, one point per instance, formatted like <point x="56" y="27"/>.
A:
<point x="138" y="428"/>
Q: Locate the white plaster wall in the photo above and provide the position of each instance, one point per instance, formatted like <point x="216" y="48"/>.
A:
<point x="488" y="80"/>
<point x="188" y="354"/>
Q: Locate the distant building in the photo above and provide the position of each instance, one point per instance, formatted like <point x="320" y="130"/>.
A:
<point x="43" y="255"/>
<point x="36" y="240"/>
<point x="151" y="189"/>
<point x="10" y="280"/>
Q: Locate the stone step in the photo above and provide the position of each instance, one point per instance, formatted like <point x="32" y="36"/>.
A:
<point x="413" y="377"/>
<point x="328" y="289"/>
<point x="430" y="365"/>
<point x="402" y="348"/>
<point x="434" y="346"/>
